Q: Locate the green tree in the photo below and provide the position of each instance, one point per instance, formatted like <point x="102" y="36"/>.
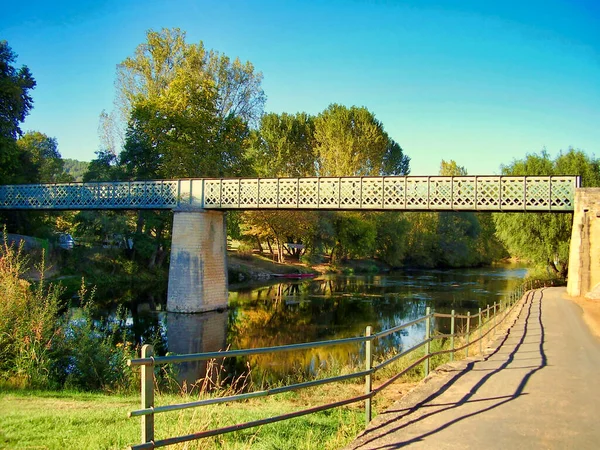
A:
<point x="283" y="146"/>
<point x="15" y="105"/>
<point x="76" y="169"/>
<point x="188" y="109"/>
<point x="351" y="141"/>
<point x="42" y="152"/>
<point x="544" y="238"/>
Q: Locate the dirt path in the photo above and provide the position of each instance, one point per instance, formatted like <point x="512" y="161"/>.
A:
<point x="537" y="388"/>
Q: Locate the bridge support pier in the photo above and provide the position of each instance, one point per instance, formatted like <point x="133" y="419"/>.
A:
<point x="198" y="268"/>
<point x="584" y="252"/>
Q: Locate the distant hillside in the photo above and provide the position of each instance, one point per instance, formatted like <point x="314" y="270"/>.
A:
<point x="76" y="168"/>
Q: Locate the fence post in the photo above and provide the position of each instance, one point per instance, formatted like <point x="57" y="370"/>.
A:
<point x="428" y="344"/>
<point x="147" y="375"/>
<point x="487" y="317"/>
<point x="368" y="377"/>
<point x="495" y="319"/>
<point x="468" y="327"/>
<point x="452" y="336"/>
<point x="480" y="334"/>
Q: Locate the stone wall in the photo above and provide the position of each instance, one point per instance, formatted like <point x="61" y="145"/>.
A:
<point x="584" y="253"/>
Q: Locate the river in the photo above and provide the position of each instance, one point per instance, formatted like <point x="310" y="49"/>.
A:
<point x="323" y="308"/>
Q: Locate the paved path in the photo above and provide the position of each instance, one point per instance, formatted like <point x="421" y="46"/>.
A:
<point x="539" y="387"/>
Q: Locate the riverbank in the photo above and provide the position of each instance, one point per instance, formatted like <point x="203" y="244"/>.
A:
<point x="258" y="268"/>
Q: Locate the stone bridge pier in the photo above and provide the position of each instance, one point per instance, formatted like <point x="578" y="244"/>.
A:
<point x="584" y="253"/>
<point x="198" y="269"/>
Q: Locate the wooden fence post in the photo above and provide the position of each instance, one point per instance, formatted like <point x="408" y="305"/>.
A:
<point x="480" y="334"/>
<point x="368" y="377"/>
<point x="468" y="328"/>
<point x="147" y="376"/>
<point x="452" y="336"/>
<point x="427" y="336"/>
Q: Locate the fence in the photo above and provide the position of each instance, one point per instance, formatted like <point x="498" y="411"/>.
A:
<point x="487" y="321"/>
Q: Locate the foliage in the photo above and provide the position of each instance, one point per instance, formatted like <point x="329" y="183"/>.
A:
<point x="40" y="347"/>
<point x="283" y="146"/>
<point x="544" y="238"/>
<point x="392" y="229"/>
<point x="45" y="162"/>
<point x="354" y="236"/>
<point x="75" y="169"/>
<point x="277" y="228"/>
<point x="351" y="141"/>
<point x="188" y="109"/>
<point x="30" y="327"/>
<point x="15" y="105"/>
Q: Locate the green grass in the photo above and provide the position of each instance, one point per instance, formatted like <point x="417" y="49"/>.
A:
<point x="59" y="420"/>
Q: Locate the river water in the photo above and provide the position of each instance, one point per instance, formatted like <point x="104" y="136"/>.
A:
<point x="323" y="308"/>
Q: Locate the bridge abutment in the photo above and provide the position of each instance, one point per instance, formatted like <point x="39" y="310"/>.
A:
<point x="198" y="268"/>
<point x="584" y="252"/>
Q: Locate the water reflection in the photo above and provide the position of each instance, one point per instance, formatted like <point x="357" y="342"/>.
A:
<point x="330" y="307"/>
<point x="195" y="333"/>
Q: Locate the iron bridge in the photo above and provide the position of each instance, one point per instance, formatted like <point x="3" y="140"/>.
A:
<point x="410" y="193"/>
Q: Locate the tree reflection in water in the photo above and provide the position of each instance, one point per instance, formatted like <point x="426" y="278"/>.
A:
<point x="329" y="307"/>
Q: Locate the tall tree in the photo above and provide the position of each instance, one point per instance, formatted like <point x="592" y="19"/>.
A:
<point x="283" y="146"/>
<point x="15" y="105"/>
<point x="188" y="109"/>
<point x="42" y="152"/>
<point x="544" y="238"/>
<point x="350" y="141"/>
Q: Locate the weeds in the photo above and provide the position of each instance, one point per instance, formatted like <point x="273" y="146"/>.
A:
<point x="40" y="347"/>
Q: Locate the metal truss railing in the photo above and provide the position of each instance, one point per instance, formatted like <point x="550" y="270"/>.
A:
<point x="470" y="193"/>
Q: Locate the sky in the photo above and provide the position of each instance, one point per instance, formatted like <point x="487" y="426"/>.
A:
<point x="478" y="82"/>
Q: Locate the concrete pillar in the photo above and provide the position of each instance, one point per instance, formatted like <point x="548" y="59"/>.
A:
<point x="584" y="252"/>
<point x="198" y="269"/>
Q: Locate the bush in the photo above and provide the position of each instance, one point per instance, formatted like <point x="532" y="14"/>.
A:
<point x="30" y="327"/>
<point x="245" y="250"/>
<point x="42" y="348"/>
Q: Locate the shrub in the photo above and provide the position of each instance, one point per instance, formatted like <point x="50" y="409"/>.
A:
<point x="42" y="348"/>
<point x="30" y="327"/>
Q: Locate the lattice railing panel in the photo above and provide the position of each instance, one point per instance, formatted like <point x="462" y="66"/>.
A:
<point x="417" y="193"/>
<point x="561" y="197"/>
<point x="488" y="193"/>
<point x="470" y="193"/>
<point x="464" y="193"/>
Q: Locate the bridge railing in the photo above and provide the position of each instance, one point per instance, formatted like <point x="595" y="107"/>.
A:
<point x="465" y="338"/>
<point x="413" y="193"/>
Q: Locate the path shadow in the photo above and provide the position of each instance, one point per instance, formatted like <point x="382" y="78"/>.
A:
<point x="533" y="302"/>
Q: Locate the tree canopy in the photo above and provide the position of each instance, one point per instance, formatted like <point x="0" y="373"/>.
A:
<point x="544" y="238"/>
<point x="15" y="104"/>
<point x="351" y="141"/>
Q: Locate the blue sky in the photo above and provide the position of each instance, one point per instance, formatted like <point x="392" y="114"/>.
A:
<point x="480" y="82"/>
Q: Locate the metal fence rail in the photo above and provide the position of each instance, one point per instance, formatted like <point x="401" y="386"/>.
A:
<point x="487" y="319"/>
<point x="469" y="193"/>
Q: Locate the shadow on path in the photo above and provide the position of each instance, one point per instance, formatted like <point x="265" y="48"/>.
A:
<point x="400" y="419"/>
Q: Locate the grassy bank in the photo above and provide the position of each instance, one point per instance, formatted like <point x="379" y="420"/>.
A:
<point x="63" y="420"/>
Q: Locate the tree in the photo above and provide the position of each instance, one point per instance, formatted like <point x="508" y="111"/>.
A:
<point x="544" y="238"/>
<point x="188" y="110"/>
<point x="42" y="153"/>
<point x="15" y="105"/>
<point x="351" y="141"/>
<point x="395" y="162"/>
<point x="283" y="146"/>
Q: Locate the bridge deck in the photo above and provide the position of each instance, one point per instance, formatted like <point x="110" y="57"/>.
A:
<point x="470" y="193"/>
<point x="537" y="389"/>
